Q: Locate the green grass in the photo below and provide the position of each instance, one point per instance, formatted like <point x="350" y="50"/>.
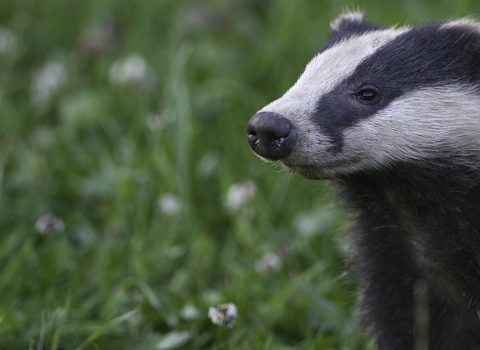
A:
<point x="101" y="155"/>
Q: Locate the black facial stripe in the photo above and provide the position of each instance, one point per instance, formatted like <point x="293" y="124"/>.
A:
<point x="422" y="57"/>
<point x="425" y="56"/>
<point x="339" y="109"/>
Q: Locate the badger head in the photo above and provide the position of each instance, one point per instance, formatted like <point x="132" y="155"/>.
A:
<point x="374" y="97"/>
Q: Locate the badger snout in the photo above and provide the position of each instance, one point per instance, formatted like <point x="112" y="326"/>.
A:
<point x="271" y="135"/>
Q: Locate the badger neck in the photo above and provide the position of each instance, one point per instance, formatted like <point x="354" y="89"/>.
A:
<point x="439" y="203"/>
<point x="436" y="188"/>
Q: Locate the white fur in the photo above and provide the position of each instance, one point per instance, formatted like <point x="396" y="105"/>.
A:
<point x="349" y="16"/>
<point x="464" y="22"/>
<point x="425" y="124"/>
<point x="327" y="70"/>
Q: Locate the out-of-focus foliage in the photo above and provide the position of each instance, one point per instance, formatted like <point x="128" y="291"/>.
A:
<point x="130" y="202"/>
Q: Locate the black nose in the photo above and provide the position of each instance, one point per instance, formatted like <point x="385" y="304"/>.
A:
<point x="271" y="135"/>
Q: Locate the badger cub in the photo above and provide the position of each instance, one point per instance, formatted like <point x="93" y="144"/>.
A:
<point x="391" y="116"/>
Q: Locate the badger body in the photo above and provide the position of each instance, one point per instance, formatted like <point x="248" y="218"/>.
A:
<point x="391" y="116"/>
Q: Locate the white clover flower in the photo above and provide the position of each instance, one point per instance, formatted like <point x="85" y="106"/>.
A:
<point x="170" y="204"/>
<point x="207" y="165"/>
<point x="190" y="312"/>
<point x="223" y="315"/>
<point x="314" y="222"/>
<point x="134" y="69"/>
<point x="8" y="42"/>
<point x="306" y="224"/>
<point x="155" y="121"/>
<point x="47" y="82"/>
<point x="49" y="224"/>
<point x="239" y="194"/>
<point x="268" y="263"/>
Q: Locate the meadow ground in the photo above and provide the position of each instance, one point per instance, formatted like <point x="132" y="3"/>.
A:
<point x="130" y="202"/>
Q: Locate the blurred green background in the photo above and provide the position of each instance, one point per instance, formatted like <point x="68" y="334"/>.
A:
<point x="130" y="201"/>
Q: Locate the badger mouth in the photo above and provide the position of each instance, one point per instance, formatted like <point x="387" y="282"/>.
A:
<point x="321" y="171"/>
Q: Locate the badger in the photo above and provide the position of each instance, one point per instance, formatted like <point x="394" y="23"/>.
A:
<point x="391" y="117"/>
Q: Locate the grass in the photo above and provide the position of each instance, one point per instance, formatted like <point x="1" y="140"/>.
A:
<point x="142" y="168"/>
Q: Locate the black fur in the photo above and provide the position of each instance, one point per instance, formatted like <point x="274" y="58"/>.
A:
<point x="418" y="225"/>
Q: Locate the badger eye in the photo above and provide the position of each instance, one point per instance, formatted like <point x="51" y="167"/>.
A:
<point x="367" y="95"/>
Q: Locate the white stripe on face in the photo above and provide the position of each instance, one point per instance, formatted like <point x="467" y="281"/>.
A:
<point x="421" y="126"/>
<point x="327" y="70"/>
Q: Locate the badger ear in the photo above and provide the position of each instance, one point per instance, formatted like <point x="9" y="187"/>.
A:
<point x="351" y="23"/>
